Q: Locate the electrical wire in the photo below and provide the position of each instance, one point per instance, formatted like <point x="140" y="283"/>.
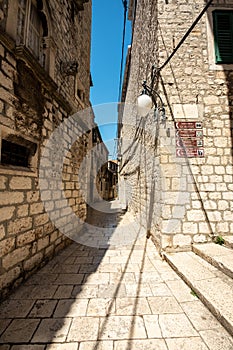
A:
<point x="124" y="2"/>
<point x="186" y="35"/>
<point x="125" y="5"/>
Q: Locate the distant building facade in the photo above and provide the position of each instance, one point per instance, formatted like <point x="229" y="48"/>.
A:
<point x="99" y="161"/>
<point x="107" y="180"/>
<point x="112" y="179"/>
<point x="44" y="79"/>
<point x="177" y="175"/>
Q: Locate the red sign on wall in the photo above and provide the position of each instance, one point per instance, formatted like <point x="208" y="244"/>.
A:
<point x="189" y="139"/>
<point x="189" y="133"/>
<point x="190" y="152"/>
<point x="188" y="125"/>
<point x="188" y="142"/>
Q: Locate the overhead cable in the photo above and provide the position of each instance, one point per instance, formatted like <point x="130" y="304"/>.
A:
<point x="124" y="2"/>
<point x="186" y="35"/>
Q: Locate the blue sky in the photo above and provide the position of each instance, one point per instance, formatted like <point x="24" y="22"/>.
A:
<point x="107" y="28"/>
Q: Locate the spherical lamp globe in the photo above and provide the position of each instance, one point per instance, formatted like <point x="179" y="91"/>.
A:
<point x="144" y="104"/>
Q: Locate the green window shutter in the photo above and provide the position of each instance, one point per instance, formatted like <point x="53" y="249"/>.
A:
<point x="223" y="36"/>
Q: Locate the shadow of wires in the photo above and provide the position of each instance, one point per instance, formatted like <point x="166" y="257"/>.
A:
<point x="69" y="303"/>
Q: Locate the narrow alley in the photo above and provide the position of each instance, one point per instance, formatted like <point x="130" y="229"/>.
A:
<point x="116" y="175"/>
<point x="120" y="298"/>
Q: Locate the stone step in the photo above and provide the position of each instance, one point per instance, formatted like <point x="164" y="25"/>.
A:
<point x="212" y="286"/>
<point x="217" y="255"/>
<point x="228" y="241"/>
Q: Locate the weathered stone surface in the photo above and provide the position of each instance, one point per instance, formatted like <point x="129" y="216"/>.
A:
<point x="194" y="343"/>
<point x="20" y="330"/>
<point x="67" y="346"/>
<point x="181" y="291"/>
<point x="147" y="344"/>
<point x="176" y="325"/>
<point x="101" y="345"/>
<point x="15" y="308"/>
<point x="164" y="305"/>
<point x="218" y="256"/>
<point x="83" y="328"/>
<point x="217" y="339"/>
<point x="152" y="326"/>
<point x="25" y="238"/>
<point x="121" y="327"/>
<point x="63" y="328"/>
<point x="35" y="99"/>
<point x="71" y="308"/>
<point x="20" y="183"/>
<point x="101" y="307"/>
<point x="54" y="330"/>
<point x="7" y="245"/>
<point x="20" y="225"/>
<point x="43" y="308"/>
<point x="132" y="306"/>
<point x="200" y="316"/>
<point x="32" y="261"/>
<point x="151" y="187"/>
<point x="8" y="198"/>
<point x="13" y="258"/>
<point x="214" y="288"/>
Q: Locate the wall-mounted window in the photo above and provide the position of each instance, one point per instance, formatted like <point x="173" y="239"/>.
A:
<point x="223" y="36"/>
<point x="14" y="154"/>
<point x="17" y="151"/>
<point x="32" y="28"/>
<point x="79" y="91"/>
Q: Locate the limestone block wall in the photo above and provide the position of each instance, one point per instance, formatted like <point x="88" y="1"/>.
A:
<point x="34" y="102"/>
<point x="196" y="196"/>
<point x="139" y="171"/>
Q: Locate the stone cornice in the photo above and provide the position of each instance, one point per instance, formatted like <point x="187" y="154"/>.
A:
<point x="7" y="41"/>
<point x="22" y="53"/>
<point x="80" y="3"/>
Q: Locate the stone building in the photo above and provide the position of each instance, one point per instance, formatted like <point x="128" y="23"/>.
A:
<point x="100" y="159"/>
<point x="44" y="79"/>
<point x="112" y="179"/>
<point x="176" y="175"/>
<point x="108" y="176"/>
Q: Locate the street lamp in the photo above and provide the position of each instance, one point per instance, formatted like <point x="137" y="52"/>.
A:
<point x="147" y="100"/>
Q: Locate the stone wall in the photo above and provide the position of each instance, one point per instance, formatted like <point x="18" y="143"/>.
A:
<point x="35" y="100"/>
<point x="195" y="201"/>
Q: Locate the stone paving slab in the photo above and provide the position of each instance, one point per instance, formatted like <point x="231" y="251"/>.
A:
<point x="70" y="346"/>
<point x="192" y="343"/>
<point x="110" y="299"/>
<point x="147" y="344"/>
<point x="15" y="308"/>
<point x="228" y="241"/>
<point x="213" y="287"/>
<point x="217" y="339"/>
<point x="52" y="330"/>
<point x="217" y="255"/>
<point x="84" y="328"/>
<point x="132" y="306"/>
<point x="201" y="318"/>
<point x="20" y="331"/>
<point x="176" y="325"/>
<point x="99" y="345"/>
<point x="122" y="327"/>
<point x="28" y="347"/>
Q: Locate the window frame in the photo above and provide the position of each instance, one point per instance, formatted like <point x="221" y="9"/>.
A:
<point x="31" y="170"/>
<point x="210" y="39"/>
<point x="39" y="55"/>
<point x="48" y="45"/>
<point x="216" y="15"/>
<point x="79" y="91"/>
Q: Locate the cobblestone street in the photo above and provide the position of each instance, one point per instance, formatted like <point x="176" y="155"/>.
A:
<point x="121" y="298"/>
